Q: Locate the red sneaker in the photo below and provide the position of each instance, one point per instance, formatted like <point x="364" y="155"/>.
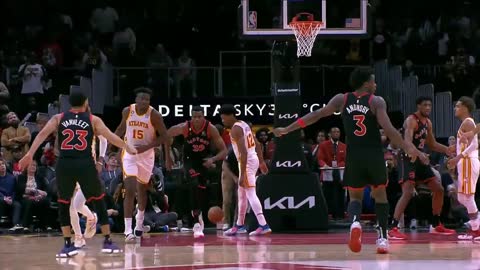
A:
<point x="441" y="230"/>
<point x="395" y="234"/>
<point x="355" y="243"/>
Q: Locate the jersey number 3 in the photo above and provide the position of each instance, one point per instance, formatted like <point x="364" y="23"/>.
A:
<point x="81" y="135"/>
<point x="359" y="118"/>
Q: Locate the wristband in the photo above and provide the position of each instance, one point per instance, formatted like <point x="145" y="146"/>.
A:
<point x="301" y="123"/>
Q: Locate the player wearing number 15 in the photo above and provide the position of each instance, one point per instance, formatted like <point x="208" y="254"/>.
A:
<point x="143" y="128"/>
<point x="362" y="111"/>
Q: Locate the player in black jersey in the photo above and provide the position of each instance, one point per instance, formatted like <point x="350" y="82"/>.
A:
<point x="199" y="134"/>
<point x="362" y="113"/>
<point x="76" y="130"/>
<point x="418" y="130"/>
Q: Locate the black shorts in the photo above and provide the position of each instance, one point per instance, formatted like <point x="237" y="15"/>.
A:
<point x="415" y="171"/>
<point x="365" y="167"/>
<point x="69" y="171"/>
<point x="196" y="173"/>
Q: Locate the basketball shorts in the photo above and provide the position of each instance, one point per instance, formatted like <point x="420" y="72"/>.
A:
<point x="139" y="166"/>
<point x="415" y="171"/>
<point x="468" y="172"/>
<point x="69" y="171"/>
<point x="252" y="168"/>
<point x="195" y="173"/>
<point x="363" y="170"/>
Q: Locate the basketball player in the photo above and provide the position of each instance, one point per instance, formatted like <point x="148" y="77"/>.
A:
<point x="78" y="205"/>
<point x="142" y="127"/>
<point x="199" y="134"/>
<point x="250" y="158"/>
<point x="76" y="130"/>
<point x="468" y="166"/>
<point x="362" y="112"/>
<point x="418" y="130"/>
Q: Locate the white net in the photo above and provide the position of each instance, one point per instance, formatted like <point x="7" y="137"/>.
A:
<point x="305" y="32"/>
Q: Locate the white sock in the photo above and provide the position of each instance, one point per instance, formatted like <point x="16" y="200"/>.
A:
<point x="75" y="221"/>
<point x="256" y="206"/>
<point x="242" y="206"/>
<point x="139" y="217"/>
<point x="128" y="226"/>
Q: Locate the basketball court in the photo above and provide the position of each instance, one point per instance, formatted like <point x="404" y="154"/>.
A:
<point x="277" y="251"/>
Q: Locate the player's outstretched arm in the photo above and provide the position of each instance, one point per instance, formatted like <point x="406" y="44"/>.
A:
<point x="49" y="128"/>
<point x="432" y="142"/>
<point x="237" y="136"/>
<point x="395" y="136"/>
<point x="100" y="129"/>
<point x="122" y="127"/>
<point x="218" y="143"/>
<point x="334" y="105"/>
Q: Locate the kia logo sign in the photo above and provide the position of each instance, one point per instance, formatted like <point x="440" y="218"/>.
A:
<point x="288" y="164"/>
<point x="288" y="116"/>
<point x="289" y="203"/>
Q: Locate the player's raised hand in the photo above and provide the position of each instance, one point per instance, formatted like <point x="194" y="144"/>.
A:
<point x="467" y="136"/>
<point x="279" y="132"/>
<point x="131" y="150"/>
<point x="25" y="161"/>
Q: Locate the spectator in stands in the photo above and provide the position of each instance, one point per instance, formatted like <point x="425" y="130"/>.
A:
<point x="33" y="76"/>
<point x="31" y="190"/>
<point x="124" y="45"/>
<point x="8" y="202"/>
<point x="159" y="62"/>
<point x="380" y="43"/>
<point x="13" y="167"/>
<point x="14" y="136"/>
<point x="332" y="154"/>
<point x="103" y="21"/>
<point x="320" y="138"/>
<point x="262" y="137"/>
<point x="186" y="78"/>
<point x="111" y="173"/>
<point x="93" y="59"/>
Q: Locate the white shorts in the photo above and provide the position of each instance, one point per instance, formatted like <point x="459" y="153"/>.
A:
<point x="140" y="165"/>
<point x="468" y="172"/>
<point x="252" y="168"/>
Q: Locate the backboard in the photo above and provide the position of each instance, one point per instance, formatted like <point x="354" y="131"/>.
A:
<point x="269" y="19"/>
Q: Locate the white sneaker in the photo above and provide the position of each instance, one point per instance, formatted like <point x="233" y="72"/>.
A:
<point x="79" y="241"/>
<point x="130" y="237"/>
<point x="198" y="231"/>
<point x="225" y="227"/>
<point x="413" y="224"/>
<point x="91" y="227"/>
<point x="382" y="246"/>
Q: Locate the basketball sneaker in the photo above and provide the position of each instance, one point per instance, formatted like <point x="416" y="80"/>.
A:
<point x="110" y="247"/>
<point x="67" y="251"/>
<point x="237" y="229"/>
<point x="355" y="242"/>
<point x="470" y="235"/>
<point x="79" y="241"/>
<point x="198" y="231"/>
<point x="441" y="230"/>
<point x="395" y="234"/>
<point x="413" y="224"/>
<point x="382" y="246"/>
<point x="262" y="230"/>
<point x="130" y="237"/>
<point x="91" y="227"/>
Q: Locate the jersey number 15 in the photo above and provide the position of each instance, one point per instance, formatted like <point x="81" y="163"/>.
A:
<point x="138" y="134"/>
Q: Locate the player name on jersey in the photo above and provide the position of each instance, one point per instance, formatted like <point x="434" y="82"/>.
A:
<point x="137" y="124"/>
<point x="198" y="139"/>
<point x="357" y="108"/>
<point x="75" y="122"/>
<point x="420" y="134"/>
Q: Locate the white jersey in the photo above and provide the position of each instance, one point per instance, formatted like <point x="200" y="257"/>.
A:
<point x="140" y="130"/>
<point x="249" y="141"/>
<point x="462" y="146"/>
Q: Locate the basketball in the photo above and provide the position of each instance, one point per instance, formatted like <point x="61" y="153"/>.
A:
<point x="215" y="214"/>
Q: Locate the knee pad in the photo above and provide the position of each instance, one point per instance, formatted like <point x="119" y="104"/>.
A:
<point x="64" y="214"/>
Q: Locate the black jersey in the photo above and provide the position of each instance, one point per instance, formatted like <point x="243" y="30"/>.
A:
<point x="420" y="133"/>
<point x="361" y="126"/>
<point x="75" y="135"/>
<point x="197" y="143"/>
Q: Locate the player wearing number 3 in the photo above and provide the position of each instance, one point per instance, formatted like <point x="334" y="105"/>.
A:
<point x="143" y="128"/>
<point x="199" y="134"/>
<point x="362" y="111"/>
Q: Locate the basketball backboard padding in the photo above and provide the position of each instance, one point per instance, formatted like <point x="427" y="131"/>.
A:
<point x="269" y="19"/>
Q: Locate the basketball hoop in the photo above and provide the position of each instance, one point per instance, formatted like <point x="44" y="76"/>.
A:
<point x="305" y="33"/>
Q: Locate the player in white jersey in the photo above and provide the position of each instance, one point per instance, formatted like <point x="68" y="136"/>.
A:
<point x="250" y="158"/>
<point x="142" y="127"/>
<point x="78" y="205"/>
<point x="468" y="166"/>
